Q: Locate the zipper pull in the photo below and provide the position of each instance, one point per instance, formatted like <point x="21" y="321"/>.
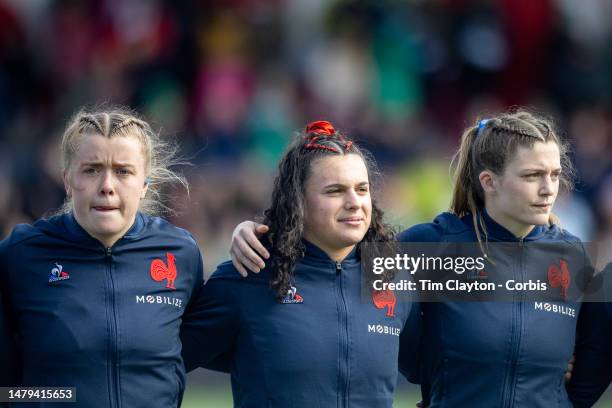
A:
<point x="338" y="268"/>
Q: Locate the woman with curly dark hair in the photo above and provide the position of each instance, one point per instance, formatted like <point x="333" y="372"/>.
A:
<point x="299" y="333"/>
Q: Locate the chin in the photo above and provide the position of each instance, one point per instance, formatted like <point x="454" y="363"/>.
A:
<point x="539" y="220"/>
<point x="106" y="229"/>
<point x="351" y="239"/>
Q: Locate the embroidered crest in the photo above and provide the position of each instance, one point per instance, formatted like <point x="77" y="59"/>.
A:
<point x="160" y="270"/>
<point x="58" y="274"/>
<point x="559" y="276"/>
<point x="292" y="297"/>
<point x="385" y="298"/>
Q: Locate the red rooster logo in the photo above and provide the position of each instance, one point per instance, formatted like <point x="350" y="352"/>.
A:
<point x="159" y="271"/>
<point x="560" y="277"/>
<point x="384" y="298"/>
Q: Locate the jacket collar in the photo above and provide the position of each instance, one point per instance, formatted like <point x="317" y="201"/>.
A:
<point x="500" y="233"/>
<point x="77" y="232"/>
<point x="315" y="253"/>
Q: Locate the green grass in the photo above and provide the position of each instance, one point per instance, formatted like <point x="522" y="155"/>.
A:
<point x="207" y="389"/>
<point x="216" y="398"/>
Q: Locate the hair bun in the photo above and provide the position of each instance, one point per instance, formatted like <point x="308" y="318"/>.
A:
<point x="320" y="127"/>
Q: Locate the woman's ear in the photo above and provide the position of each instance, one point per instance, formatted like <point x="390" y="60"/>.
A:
<point x="488" y="181"/>
<point x="145" y="187"/>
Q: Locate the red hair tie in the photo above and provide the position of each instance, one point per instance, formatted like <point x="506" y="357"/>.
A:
<point x="321" y="128"/>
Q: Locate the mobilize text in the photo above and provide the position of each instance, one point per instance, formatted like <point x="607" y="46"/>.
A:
<point x="165" y="300"/>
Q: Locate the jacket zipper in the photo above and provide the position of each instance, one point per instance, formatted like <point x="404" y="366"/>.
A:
<point x="344" y="352"/>
<point x="113" y="341"/>
<point x="516" y="334"/>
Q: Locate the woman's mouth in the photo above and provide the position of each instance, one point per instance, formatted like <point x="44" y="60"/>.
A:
<point x="351" y="220"/>
<point x="545" y="207"/>
<point x="104" y="208"/>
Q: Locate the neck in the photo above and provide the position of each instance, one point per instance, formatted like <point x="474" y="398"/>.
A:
<point x="336" y="254"/>
<point x="108" y="243"/>
<point x="106" y="240"/>
<point x="517" y="229"/>
<point x="340" y="254"/>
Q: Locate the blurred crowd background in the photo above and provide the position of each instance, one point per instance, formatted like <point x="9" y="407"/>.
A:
<point x="231" y="81"/>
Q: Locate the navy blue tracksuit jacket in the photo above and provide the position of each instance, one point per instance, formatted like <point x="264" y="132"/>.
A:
<point x="103" y="320"/>
<point x="494" y="354"/>
<point x="593" y="368"/>
<point x="324" y="347"/>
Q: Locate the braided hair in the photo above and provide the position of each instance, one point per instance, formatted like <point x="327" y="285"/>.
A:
<point x="109" y="122"/>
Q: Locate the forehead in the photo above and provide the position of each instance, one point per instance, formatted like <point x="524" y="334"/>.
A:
<point x="539" y="156"/>
<point x="98" y="148"/>
<point x="347" y="169"/>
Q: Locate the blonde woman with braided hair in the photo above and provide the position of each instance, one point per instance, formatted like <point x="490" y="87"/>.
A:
<point x="92" y="297"/>
<point x="509" y="168"/>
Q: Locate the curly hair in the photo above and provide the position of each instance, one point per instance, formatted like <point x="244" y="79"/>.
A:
<point x="285" y="216"/>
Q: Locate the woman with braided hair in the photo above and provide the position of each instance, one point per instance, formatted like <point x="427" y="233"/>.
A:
<point x="299" y="333"/>
<point x="509" y="168"/>
<point x="92" y="298"/>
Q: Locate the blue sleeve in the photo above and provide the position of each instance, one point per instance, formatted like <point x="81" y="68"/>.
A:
<point x="428" y="232"/>
<point x="593" y="368"/>
<point x="409" y="349"/>
<point x="410" y="338"/>
<point x="9" y="353"/>
<point x="198" y="276"/>
<point x="210" y="326"/>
